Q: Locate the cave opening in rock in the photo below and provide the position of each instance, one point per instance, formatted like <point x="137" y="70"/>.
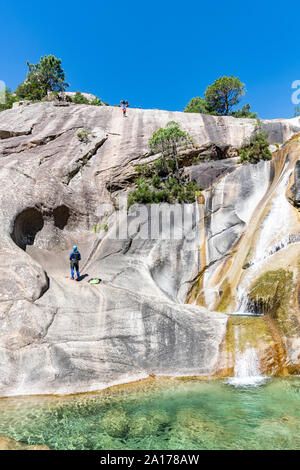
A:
<point x="27" y="224"/>
<point x="61" y="216"/>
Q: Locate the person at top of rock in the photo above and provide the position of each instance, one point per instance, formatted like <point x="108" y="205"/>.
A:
<point x="125" y="105"/>
<point x="75" y="257"/>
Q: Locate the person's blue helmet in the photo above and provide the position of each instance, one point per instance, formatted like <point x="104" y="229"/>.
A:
<point x="74" y="247"/>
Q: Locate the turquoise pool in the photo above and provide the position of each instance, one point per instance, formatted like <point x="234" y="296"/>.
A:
<point x="161" y="414"/>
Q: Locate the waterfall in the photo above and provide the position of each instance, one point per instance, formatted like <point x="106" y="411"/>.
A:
<point x="273" y="237"/>
<point x="246" y="370"/>
<point x="243" y="304"/>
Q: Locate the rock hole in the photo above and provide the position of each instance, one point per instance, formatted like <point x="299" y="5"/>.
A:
<point x="27" y="224"/>
<point x="61" y="216"/>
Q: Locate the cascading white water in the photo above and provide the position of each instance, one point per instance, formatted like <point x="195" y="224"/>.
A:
<point x="243" y="302"/>
<point x="273" y="237"/>
<point x="246" y="370"/>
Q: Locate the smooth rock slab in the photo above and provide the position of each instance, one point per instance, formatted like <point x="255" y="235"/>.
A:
<point x="60" y="337"/>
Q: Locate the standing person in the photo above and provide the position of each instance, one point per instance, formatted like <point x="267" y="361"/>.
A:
<point x="125" y="105"/>
<point x="75" y="257"/>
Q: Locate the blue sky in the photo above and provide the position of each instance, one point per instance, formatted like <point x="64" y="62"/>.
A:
<point x="159" y="54"/>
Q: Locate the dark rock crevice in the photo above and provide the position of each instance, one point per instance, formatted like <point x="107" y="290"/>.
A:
<point x="30" y="222"/>
<point x="26" y="226"/>
<point x="14" y="147"/>
<point x="61" y="215"/>
<point x="49" y="138"/>
<point x="295" y="189"/>
<point x="83" y="161"/>
<point x="6" y="134"/>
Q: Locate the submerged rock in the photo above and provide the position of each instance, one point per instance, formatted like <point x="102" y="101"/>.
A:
<point x="116" y="423"/>
<point x="274" y="434"/>
<point x="194" y="426"/>
<point x="148" y="424"/>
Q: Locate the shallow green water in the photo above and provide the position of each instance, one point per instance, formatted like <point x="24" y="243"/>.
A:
<point x="164" y="415"/>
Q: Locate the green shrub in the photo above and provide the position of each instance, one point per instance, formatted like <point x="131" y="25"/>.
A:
<point x="244" y="112"/>
<point x="103" y="226"/>
<point x="163" y="180"/>
<point x="78" y="98"/>
<point x="83" y="135"/>
<point x="257" y="148"/>
<point x="96" y="102"/>
<point x="10" y="99"/>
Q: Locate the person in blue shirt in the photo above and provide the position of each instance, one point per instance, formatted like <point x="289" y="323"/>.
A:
<point x="75" y="257"/>
<point x="125" y="105"/>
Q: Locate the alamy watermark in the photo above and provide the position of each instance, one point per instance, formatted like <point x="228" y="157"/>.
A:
<point x="151" y="221"/>
<point x="2" y="92"/>
<point x="296" y="93"/>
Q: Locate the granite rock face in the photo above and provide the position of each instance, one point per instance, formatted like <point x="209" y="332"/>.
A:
<point x="64" y="171"/>
<point x="207" y="173"/>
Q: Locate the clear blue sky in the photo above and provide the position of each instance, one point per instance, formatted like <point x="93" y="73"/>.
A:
<point x="159" y="54"/>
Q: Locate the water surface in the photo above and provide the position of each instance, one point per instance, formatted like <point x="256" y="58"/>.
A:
<point x="161" y="414"/>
